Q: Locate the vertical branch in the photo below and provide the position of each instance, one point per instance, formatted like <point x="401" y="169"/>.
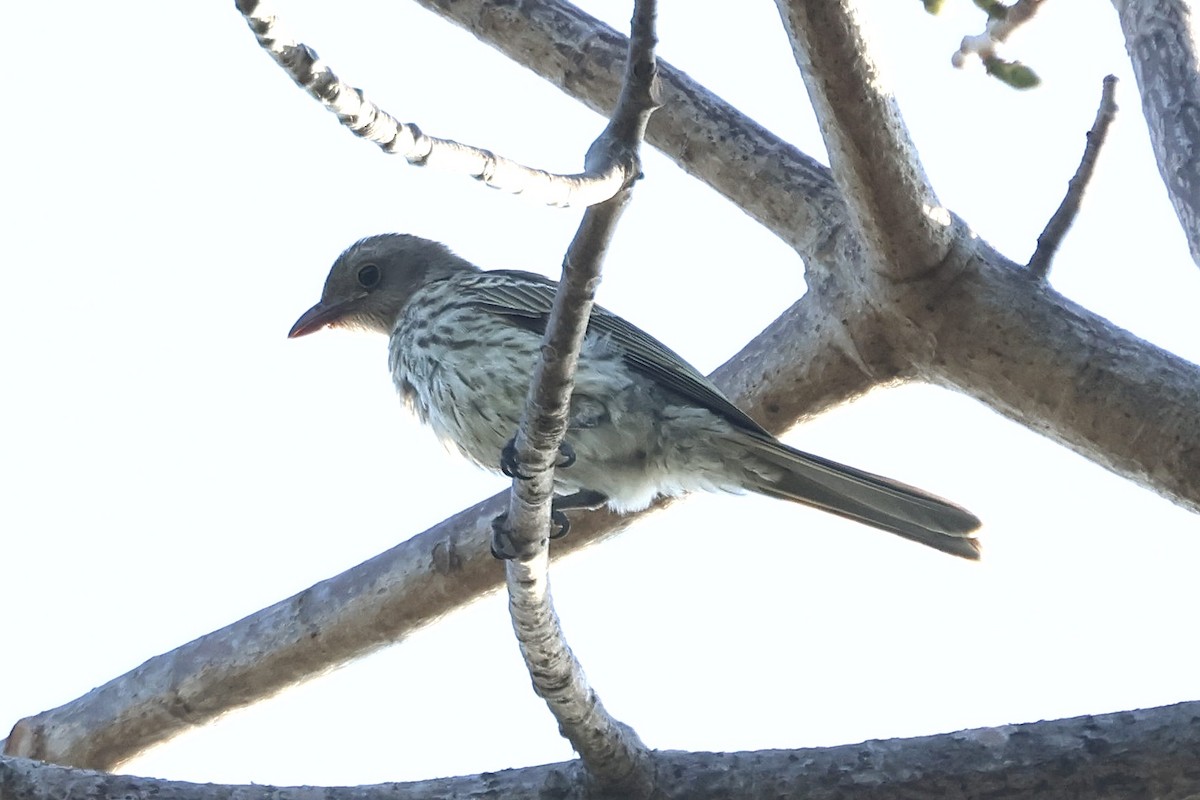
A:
<point x="612" y="752"/>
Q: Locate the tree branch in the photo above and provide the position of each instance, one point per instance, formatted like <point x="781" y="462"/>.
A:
<point x="1149" y="753"/>
<point x="1069" y="374"/>
<point x="368" y="121"/>
<point x="1160" y="36"/>
<point x="613" y="753"/>
<point x="1060" y="222"/>
<point x="905" y="229"/>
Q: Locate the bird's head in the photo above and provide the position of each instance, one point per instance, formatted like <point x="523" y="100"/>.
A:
<point x="373" y="280"/>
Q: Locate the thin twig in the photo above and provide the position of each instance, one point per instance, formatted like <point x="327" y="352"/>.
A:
<point x="613" y="753"/>
<point x="1060" y="222"/>
<point x="368" y="121"/>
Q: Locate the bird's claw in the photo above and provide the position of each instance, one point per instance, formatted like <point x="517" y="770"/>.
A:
<point x="560" y="526"/>
<point x="508" y="461"/>
<point x="502" y="543"/>
<point x="566" y="455"/>
<point x="511" y="467"/>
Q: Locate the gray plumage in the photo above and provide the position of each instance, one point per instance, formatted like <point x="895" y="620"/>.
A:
<point x="462" y="347"/>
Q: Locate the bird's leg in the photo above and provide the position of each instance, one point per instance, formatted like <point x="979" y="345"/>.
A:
<point x="583" y="499"/>
<point x="510" y="467"/>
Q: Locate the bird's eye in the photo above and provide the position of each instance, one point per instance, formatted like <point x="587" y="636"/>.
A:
<point x="368" y="276"/>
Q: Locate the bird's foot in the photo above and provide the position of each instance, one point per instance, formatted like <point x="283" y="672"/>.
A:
<point x="502" y="543"/>
<point x="504" y="548"/>
<point x="511" y="467"/>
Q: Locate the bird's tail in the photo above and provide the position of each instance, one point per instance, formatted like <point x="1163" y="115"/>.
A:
<point x="871" y="499"/>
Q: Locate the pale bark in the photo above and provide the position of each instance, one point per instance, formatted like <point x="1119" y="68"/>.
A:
<point x="365" y="119"/>
<point x="613" y="754"/>
<point x="1160" y="36"/>
<point x="1129" y="755"/>
<point x="1033" y="355"/>
<point x="904" y="228"/>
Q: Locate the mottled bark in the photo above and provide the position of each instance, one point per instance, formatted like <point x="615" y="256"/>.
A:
<point x="1131" y="755"/>
<point x="1160" y="36"/>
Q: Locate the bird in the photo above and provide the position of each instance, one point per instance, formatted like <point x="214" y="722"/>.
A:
<point x="643" y="423"/>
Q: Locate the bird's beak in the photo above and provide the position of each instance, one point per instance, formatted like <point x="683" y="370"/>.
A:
<point x="318" y="317"/>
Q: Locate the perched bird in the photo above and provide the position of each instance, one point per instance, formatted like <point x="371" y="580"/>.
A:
<point x="643" y="422"/>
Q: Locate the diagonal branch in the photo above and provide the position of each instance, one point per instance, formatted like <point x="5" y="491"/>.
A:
<point x="1071" y="375"/>
<point x="875" y="165"/>
<point x="795" y="368"/>
<point x="368" y="121"/>
<point x="612" y="752"/>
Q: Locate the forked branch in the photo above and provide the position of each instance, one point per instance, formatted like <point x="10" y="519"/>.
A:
<point x="874" y="162"/>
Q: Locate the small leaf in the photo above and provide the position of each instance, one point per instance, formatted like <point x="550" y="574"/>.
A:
<point x="1014" y="73"/>
<point x="933" y="6"/>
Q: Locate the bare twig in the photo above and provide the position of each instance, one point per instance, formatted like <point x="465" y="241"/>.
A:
<point x="612" y="752"/>
<point x="369" y="121"/>
<point x="1060" y="222"/>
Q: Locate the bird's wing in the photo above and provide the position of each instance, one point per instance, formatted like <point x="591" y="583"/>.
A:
<point x="526" y="301"/>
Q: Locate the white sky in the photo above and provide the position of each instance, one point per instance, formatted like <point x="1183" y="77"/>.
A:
<point x="172" y="462"/>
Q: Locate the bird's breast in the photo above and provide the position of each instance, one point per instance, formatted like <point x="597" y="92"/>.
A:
<point x="465" y="373"/>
